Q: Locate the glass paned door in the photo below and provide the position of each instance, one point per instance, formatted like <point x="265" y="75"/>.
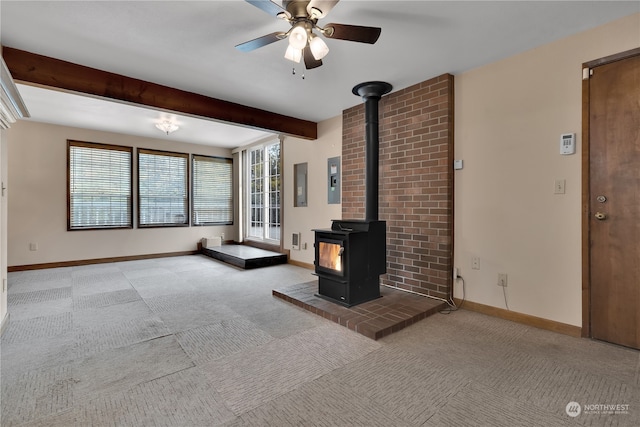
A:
<point x="274" y="192"/>
<point x="256" y="193"/>
<point x="264" y="182"/>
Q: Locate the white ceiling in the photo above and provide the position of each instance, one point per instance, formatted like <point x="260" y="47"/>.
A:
<point x="70" y="109"/>
<point x="189" y="45"/>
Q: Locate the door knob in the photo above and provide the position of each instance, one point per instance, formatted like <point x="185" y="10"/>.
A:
<point x="600" y="216"/>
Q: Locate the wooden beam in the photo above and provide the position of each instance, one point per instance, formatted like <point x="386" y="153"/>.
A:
<point x="41" y="70"/>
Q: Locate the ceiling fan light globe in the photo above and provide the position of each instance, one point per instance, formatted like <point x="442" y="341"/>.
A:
<point x="293" y="54"/>
<point x="298" y="38"/>
<point x="319" y="48"/>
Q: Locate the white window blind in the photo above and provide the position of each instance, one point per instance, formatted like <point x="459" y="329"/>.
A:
<point x="212" y="190"/>
<point x="99" y="178"/>
<point x="162" y="188"/>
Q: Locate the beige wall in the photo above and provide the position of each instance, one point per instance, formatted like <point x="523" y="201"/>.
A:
<point x="318" y="213"/>
<point x="37" y="210"/>
<point x="3" y="227"/>
<point x="508" y="119"/>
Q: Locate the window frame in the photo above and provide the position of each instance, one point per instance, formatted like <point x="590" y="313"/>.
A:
<point x="98" y="146"/>
<point x="217" y="159"/>
<point x="186" y="156"/>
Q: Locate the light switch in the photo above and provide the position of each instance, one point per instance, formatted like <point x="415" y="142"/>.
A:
<point x="559" y="186"/>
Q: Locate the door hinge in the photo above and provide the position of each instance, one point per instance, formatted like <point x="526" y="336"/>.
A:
<point x="3" y="189"/>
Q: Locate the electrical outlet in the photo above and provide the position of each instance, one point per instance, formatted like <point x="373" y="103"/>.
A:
<point x="502" y="280"/>
<point x="33" y="246"/>
<point x="475" y="263"/>
<point x="456" y="273"/>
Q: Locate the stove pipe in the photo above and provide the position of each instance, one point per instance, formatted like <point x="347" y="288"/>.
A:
<point x="371" y="92"/>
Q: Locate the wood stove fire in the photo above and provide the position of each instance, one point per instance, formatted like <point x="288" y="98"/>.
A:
<point x="350" y="257"/>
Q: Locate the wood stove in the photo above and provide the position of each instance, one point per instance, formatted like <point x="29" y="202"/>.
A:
<point x="350" y="257"/>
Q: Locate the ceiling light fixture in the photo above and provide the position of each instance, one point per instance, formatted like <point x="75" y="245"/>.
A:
<point x="167" y="127"/>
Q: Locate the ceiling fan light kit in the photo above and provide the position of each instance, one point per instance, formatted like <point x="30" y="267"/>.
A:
<point x="303" y="16"/>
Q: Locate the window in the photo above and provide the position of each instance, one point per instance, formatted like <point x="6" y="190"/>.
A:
<point x="264" y="182"/>
<point x="163" y="199"/>
<point x="212" y="190"/>
<point x="99" y="178"/>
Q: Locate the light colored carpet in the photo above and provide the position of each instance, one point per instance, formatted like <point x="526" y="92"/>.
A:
<point x="189" y="341"/>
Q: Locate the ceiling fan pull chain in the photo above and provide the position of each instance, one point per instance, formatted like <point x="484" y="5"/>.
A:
<point x="293" y="72"/>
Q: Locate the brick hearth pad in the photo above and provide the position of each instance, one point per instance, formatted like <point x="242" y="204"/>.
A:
<point x="375" y="319"/>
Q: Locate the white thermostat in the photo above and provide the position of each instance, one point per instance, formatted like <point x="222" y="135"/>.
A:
<point x="568" y="143"/>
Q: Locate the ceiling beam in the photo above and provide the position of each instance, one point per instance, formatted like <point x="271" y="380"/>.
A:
<point x="27" y="67"/>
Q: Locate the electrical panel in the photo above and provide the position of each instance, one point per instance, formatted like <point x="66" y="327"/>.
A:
<point x="333" y="172"/>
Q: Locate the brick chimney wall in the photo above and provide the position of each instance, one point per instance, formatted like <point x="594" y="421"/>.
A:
<point x="416" y="182"/>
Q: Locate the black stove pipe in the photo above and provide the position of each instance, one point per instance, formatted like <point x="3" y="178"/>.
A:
<point x="371" y="92"/>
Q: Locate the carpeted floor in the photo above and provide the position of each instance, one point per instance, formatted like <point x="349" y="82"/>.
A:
<point x="189" y="341"/>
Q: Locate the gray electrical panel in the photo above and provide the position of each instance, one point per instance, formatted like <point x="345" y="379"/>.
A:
<point x="333" y="172"/>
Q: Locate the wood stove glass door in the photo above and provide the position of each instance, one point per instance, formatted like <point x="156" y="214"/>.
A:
<point x="330" y="256"/>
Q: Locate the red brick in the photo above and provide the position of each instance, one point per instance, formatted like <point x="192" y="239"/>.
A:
<point x="415" y="182"/>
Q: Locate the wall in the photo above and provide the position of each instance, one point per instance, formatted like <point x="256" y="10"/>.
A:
<point x="416" y="136"/>
<point x="509" y="117"/>
<point x="3" y="228"/>
<point x="37" y="207"/>
<point x="318" y="213"/>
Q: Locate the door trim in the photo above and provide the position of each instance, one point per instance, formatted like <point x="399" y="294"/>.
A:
<point x="586" y="189"/>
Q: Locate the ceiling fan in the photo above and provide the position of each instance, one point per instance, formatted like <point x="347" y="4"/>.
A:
<point x="303" y="15"/>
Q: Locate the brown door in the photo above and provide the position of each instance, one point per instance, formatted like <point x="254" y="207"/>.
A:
<point x="614" y="201"/>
